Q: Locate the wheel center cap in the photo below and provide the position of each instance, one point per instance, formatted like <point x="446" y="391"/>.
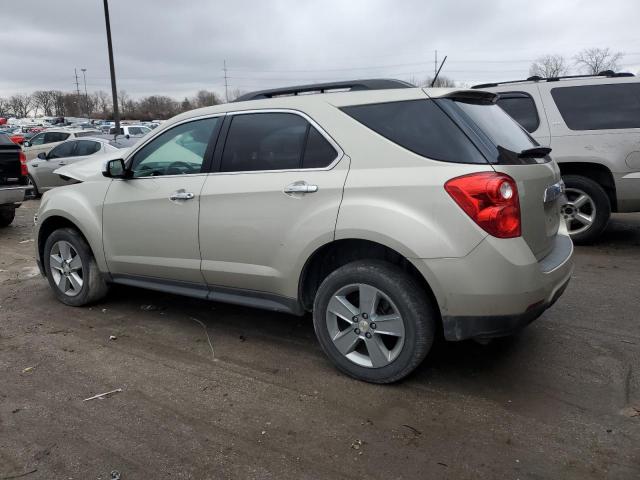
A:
<point x="363" y="325"/>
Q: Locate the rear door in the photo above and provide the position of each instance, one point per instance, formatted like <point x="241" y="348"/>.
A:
<point x="273" y="199"/>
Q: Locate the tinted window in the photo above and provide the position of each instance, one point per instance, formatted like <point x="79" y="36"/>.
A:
<point x="318" y="152"/>
<point x="599" y="107"/>
<point x="37" y="140"/>
<point x="264" y="141"/>
<point x="90" y="133"/>
<point x="521" y="108"/>
<point x="135" y="131"/>
<point x="501" y="129"/>
<point x="51" y="137"/>
<point x="63" y="150"/>
<point x="86" y="147"/>
<point x="420" y="126"/>
<point x="179" y="150"/>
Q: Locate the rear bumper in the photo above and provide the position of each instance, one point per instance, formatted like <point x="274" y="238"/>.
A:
<point x="11" y="195"/>
<point x="499" y="287"/>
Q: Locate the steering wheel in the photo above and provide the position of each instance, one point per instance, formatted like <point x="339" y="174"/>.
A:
<point x="178" y="167"/>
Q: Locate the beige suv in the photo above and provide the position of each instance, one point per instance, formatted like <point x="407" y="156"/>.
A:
<point x="390" y="212"/>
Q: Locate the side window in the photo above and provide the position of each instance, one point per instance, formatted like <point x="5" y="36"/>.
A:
<point x="63" y="150"/>
<point x="37" y="139"/>
<point x="318" y="152"/>
<point x="599" y="107"/>
<point x="86" y="147"/>
<point x="179" y="150"/>
<point x="421" y="127"/>
<point x="51" y="137"/>
<point x="522" y="108"/>
<point x="264" y="141"/>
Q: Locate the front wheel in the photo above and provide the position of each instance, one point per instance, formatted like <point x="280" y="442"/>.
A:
<point x="588" y="209"/>
<point x="71" y="270"/>
<point x="373" y="321"/>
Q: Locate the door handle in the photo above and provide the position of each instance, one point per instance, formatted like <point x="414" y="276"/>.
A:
<point x="62" y="163"/>
<point x="300" y="187"/>
<point x="181" y="195"/>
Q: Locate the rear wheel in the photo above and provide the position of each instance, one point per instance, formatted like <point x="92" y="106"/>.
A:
<point x="32" y="188"/>
<point x="373" y="321"/>
<point x="588" y="210"/>
<point x="71" y="269"/>
<point x="7" y="214"/>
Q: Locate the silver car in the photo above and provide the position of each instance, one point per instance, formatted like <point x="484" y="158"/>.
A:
<point x="42" y="176"/>
<point x="390" y="212"/>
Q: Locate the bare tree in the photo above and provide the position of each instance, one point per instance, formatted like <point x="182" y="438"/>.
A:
<point x="58" y="103"/>
<point x="549" y="66"/>
<point x="595" y="60"/>
<point x="45" y="100"/>
<point x="442" y="82"/>
<point x="21" y="104"/>
<point x="205" y="98"/>
<point x="125" y="102"/>
<point x="4" y="104"/>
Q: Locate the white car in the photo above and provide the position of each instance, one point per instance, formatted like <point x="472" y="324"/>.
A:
<point x="43" y="142"/>
<point x="131" y="130"/>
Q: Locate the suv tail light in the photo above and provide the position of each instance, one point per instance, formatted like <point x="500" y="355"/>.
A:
<point x="24" y="171"/>
<point x="490" y="199"/>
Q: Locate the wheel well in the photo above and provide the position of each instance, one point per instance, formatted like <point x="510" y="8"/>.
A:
<point x="596" y="172"/>
<point x="333" y="255"/>
<point x="49" y="226"/>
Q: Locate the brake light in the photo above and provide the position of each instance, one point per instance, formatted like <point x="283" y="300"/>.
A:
<point x="24" y="171"/>
<point x="491" y="200"/>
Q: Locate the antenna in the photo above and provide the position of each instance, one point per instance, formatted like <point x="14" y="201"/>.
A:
<point x="438" y="72"/>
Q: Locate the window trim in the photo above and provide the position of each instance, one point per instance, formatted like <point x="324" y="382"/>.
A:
<point x="521" y="94"/>
<point x="208" y="154"/>
<point x="217" y="162"/>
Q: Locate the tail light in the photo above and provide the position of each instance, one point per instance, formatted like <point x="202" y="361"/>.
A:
<point x="491" y="200"/>
<point x="24" y="171"/>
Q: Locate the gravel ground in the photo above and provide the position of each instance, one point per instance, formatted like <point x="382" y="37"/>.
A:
<point x="560" y="400"/>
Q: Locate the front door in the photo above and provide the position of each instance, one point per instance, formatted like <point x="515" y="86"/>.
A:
<point x="150" y="222"/>
<point x="273" y="200"/>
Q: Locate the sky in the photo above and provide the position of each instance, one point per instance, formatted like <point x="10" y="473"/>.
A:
<point x="171" y="47"/>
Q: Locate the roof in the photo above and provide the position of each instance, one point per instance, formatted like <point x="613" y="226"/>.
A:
<point x="536" y="78"/>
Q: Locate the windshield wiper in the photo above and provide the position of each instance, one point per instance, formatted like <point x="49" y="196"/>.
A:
<point x="535" y="152"/>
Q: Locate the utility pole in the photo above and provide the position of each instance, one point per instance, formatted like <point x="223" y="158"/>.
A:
<point x="226" y="84"/>
<point x="75" y="72"/>
<point x="114" y="90"/>
<point x="435" y="64"/>
<point x="86" y="95"/>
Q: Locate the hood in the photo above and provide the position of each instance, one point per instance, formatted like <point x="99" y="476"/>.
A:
<point x="91" y="168"/>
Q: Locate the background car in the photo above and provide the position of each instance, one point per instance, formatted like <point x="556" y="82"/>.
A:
<point x="42" y="168"/>
<point x="131" y="130"/>
<point x="43" y="142"/>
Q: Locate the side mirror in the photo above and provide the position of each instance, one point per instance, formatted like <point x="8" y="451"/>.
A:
<point x="42" y="156"/>
<point x="127" y="136"/>
<point x="26" y="143"/>
<point x="114" y="169"/>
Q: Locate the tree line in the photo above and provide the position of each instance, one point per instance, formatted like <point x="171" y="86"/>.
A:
<point x="589" y="61"/>
<point x="56" y="103"/>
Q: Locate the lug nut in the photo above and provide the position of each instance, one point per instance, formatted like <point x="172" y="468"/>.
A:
<point x="368" y="335"/>
<point x="355" y="318"/>
<point x="365" y="316"/>
<point x="357" y="331"/>
<point x="373" y="325"/>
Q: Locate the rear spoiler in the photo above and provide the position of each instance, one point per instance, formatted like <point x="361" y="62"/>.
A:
<point x="473" y="96"/>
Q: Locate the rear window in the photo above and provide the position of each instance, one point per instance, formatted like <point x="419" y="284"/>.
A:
<point x="599" y="107"/>
<point x="420" y="126"/>
<point x="501" y="129"/>
<point x="521" y="108"/>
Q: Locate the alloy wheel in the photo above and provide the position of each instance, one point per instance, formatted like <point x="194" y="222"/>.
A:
<point x="365" y="325"/>
<point x="65" y="265"/>
<point x="579" y="212"/>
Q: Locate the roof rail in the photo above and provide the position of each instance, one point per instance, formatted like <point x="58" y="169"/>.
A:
<point x="536" y="78"/>
<point x="351" y="85"/>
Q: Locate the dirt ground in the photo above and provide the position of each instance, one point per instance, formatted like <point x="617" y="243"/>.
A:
<point x="560" y="400"/>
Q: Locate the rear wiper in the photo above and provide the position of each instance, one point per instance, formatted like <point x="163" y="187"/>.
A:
<point x="535" y="152"/>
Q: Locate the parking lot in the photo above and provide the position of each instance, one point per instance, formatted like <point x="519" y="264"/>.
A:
<point x="561" y="400"/>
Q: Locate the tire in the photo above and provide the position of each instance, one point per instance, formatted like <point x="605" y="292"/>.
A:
<point x="34" y="188"/>
<point x="597" y="207"/>
<point x="397" y="293"/>
<point x="7" y="214"/>
<point x="91" y="287"/>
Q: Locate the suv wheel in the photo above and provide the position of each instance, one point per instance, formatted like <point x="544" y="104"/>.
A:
<point x="7" y="214"/>
<point x="373" y="321"/>
<point x="32" y="188"/>
<point x="588" y="210"/>
<point x="71" y="269"/>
